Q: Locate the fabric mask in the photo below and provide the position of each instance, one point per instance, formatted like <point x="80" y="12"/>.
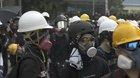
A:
<point x="124" y="62"/>
<point x="134" y="56"/>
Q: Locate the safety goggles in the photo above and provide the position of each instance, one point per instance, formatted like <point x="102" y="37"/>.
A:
<point x="87" y="39"/>
<point x="131" y="46"/>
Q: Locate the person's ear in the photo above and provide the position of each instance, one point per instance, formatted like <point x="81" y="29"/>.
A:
<point x="118" y="50"/>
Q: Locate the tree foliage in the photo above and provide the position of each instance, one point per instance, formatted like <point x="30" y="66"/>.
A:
<point x="115" y="6"/>
<point x="51" y="6"/>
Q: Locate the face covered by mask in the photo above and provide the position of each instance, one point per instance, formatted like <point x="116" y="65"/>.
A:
<point x="85" y="43"/>
<point x="132" y="61"/>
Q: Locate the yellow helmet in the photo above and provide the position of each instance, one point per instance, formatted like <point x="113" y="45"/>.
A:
<point x="113" y="17"/>
<point x="124" y="33"/>
<point x="12" y="48"/>
<point x="85" y="17"/>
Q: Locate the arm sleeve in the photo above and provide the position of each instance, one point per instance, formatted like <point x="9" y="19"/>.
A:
<point x="106" y="68"/>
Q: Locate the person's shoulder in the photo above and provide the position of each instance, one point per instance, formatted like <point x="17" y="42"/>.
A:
<point x="102" y="64"/>
<point x="99" y="60"/>
<point x="29" y="61"/>
<point x="119" y="73"/>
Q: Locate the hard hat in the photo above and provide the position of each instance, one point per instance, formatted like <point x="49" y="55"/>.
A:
<point x="61" y="22"/>
<point x="73" y="19"/>
<point x="113" y="17"/>
<point x="79" y="27"/>
<point x="101" y="19"/>
<point x="60" y="18"/>
<point x="120" y="20"/>
<point x="85" y="17"/>
<point x="32" y="20"/>
<point x="124" y="33"/>
<point x="46" y="14"/>
<point x="108" y="25"/>
<point x="133" y="22"/>
<point x="12" y="48"/>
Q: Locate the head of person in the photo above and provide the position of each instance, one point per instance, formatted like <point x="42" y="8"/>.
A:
<point x="61" y="23"/>
<point x="81" y="35"/>
<point x="34" y="26"/>
<point x="14" y="24"/>
<point x="101" y="19"/>
<point x="106" y="29"/>
<point x="74" y="18"/>
<point x="126" y="40"/>
<point x="113" y="17"/>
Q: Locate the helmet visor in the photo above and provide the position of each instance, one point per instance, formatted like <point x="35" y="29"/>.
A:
<point x="62" y="24"/>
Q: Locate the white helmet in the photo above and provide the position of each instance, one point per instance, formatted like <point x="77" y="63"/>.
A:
<point x="101" y="19"/>
<point x="121" y="20"/>
<point x="32" y="20"/>
<point x="46" y="14"/>
<point x="74" y="18"/>
<point x="108" y="25"/>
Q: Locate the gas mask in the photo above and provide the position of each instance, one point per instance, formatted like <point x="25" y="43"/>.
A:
<point x="85" y="43"/>
<point x="132" y="50"/>
<point x="92" y="51"/>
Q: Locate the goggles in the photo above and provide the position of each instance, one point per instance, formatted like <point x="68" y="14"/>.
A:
<point x="131" y="46"/>
<point x="87" y="39"/>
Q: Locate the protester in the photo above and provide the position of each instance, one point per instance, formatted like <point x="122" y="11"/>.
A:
<point x="127" y="47"/>
<point x="105" y="49"/>
<point x="83" y="64"/>
<point x="59" y="51"/>
<point x="32" y="64"/>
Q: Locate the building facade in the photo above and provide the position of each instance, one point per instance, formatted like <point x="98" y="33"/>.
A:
<point x="132" y="6"/>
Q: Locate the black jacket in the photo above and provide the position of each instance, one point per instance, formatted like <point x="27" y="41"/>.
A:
<point x="119" y="73"/>
<point x="110" y="58"/>
<point x="92" y="69"/>
<point x="30" y="64"/>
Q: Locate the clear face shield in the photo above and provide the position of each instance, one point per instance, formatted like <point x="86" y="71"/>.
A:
<point x="62" y="25"/>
